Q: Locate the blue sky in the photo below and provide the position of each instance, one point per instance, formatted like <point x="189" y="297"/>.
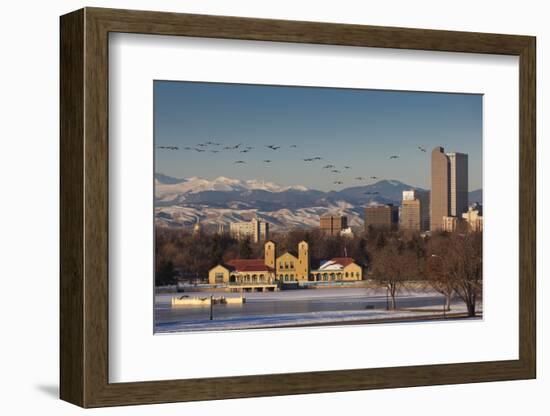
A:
<point x="346" y="127"/>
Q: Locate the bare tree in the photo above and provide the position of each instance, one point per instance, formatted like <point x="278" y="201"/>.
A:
<point x="439" y="279"/>
<point x="392" y="265"/>
<point x="455" y="267"/>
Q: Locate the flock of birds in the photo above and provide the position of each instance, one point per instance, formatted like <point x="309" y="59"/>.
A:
<point x="215" y="147"/>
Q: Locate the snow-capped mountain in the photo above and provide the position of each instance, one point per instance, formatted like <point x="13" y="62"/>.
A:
<point x="183" y="202"/>
<point x="167" y="189"/>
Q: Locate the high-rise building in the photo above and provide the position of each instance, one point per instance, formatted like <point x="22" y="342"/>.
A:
<point x="458" y="183"/>
<point x="381" y="216"/>
<point x="449" y="181"/>
<point x="415" y="210"/>
<point x="410" y="218"/>
<point x="255" y="229"/>
<point x="439" y="198"/>
<point x="333" y="224"/>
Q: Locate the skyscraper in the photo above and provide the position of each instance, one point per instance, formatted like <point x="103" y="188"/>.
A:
<point x="458" y="179"/>
<point x="449" y="194"/>
<point x="415" y="210"/>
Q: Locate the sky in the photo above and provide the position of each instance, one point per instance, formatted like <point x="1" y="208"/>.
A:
<point x="358" y="128"/>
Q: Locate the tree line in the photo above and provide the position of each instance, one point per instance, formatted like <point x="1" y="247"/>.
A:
<point x="449" y="263"/>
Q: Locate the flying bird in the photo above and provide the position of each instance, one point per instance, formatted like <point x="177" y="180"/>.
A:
<point x="338" y="182"/>
<point x="168" y="147"/>
<point x="421" y="149"/>
<point x="394" y="157"/>
<point x="228" y="148"/>
<point x="273" y="147"/>
<point x="293" y="145"/>
<point x="328" y="166"/>
<point x="188" y="148"/>
<point x="308" y="159"/>
<point x="245" y="151"/>
<point x="347" y="167"/>
<point x="374" y="177"/>
<point x="359" y="178"/>
<point x="200" y="150"/>
<point x="335" y="171"/>
<point x="201" y="144"/>
<point x="240" y="161"/>
<point x="215" y="151"/>
<point x="267" y="161"/>
<point x="317" y="158"/>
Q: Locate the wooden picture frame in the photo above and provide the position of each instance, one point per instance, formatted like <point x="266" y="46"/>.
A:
<point x="84" y="207"/>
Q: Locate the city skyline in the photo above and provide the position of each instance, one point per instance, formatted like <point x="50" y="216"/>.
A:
<point x="360" y="129"/>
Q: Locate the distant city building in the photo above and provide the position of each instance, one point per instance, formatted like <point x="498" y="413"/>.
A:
<point x="449" y="186"/>
<point x="410" y="218"/>
<point x="449" y="224"/>
<point x="381" y="216"/>
<point x="473" y="218"/>
<point x="458" y="183"/>
<point x="415" y="210"/>
<point x="255" y="229"/>
<point x="333" y="224"/>
<point x="221" y="229"/>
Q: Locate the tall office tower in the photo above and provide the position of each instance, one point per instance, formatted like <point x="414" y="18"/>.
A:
<point x="381" y="216"/>
<point x="333" y="224"/>
<point x="449" y="195"/>
<point x="439" y="197"/>
<point x="458" y="182"/>
<point x="410" y="218"/>
<point x="415" y="200"/>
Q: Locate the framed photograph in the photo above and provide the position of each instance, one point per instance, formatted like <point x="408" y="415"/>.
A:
<point x="255" y="207"/>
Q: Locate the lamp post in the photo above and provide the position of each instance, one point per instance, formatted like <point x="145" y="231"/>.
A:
<point x="211" y="307"/>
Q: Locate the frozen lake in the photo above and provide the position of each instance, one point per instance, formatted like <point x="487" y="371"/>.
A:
<point x="291" y="308"/>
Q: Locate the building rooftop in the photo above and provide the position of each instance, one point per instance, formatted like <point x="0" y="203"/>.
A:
<point x="248" y="265"/>
<point x="336" y="263"/>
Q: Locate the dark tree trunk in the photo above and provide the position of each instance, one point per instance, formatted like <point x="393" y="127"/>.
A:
<point x="448" y="298"/>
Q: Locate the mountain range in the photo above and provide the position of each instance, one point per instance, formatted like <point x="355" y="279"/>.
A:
<point x="184" y="201"/>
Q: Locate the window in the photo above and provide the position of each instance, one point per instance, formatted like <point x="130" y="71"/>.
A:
<point x="219" y="278"/>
